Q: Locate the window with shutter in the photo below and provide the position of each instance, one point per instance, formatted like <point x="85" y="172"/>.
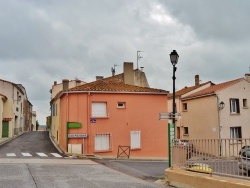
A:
<point x="102" y="142"/>
<point x="135" y="139"/>
<point x="99" y="109"/>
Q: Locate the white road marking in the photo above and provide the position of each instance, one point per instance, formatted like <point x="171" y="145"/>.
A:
<point x="26" y="154"/>
<point x="42" y="154"/>
<point x="55" y="154"/>
<point x="11" y="154"/>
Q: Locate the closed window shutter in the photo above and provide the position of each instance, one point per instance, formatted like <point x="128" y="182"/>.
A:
<point x="102" y="142"/>
<point x="99" y="109"/>
<point x="135" y="141"/>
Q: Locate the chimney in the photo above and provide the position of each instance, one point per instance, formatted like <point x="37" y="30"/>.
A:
<point x="65" y="83"/>
<point x="98" y="77"/>
<point x="128" y="75"/>
<point x="78" y="82"/>
<point x="55" y="83"/>
<point x="197" y="80"/>
<point x="247" y="76"/>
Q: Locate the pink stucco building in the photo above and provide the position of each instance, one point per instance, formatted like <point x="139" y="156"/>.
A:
<point x="98" y="117"/>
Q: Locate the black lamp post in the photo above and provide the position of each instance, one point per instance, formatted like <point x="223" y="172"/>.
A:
<point x="174" y="60"/>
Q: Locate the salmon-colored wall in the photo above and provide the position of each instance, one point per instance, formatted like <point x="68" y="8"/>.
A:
<point x="141" y="114"/>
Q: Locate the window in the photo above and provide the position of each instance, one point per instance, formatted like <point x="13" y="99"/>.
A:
<point x="184" y="106"/>
<point x="17" y="97"/>
<point x="135" y="139"/>
<point x="121" y="105"/>
<point x="102" y="142"/>
<point x="234" y="106"/>
<point x="54" y="109"/>
<point x="99" y="109"/>
<point x="185" y="131"/>
<point x="245" y="103"/>
<point x="235" y="132"/>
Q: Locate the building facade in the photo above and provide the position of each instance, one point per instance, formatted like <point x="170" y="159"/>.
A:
<point x="112" y="114"/>
<point x="121" y="110"/>
<point x="13" y="109"/>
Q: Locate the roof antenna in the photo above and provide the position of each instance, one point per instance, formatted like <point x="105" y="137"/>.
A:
<point x="139" y="56"/>
<point x="113" y="69"/>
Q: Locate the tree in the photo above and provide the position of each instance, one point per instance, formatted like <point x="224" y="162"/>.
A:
<point x="37" y="124"/>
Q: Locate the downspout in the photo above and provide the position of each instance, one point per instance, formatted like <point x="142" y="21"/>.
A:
<point x="88" y="122"/>
<point x="219" y="126"/>
<point x="67" y="119"/>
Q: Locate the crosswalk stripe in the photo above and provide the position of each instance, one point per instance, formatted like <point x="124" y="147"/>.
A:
<point x="55" y="154"/>
<point x="26" y="154"/>
<point x="42" y="154"/>
<point x="11" y="154"/>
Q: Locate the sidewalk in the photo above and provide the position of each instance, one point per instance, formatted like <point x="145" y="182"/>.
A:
<point x="4" y="140"/>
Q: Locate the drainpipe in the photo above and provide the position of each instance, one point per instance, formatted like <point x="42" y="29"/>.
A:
<point x="219" y="126"/>
<point x="88" y="121"/>
<point x="67" y="119"/>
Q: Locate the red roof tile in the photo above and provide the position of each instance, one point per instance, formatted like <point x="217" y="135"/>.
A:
<point x="211" y="90"/>
<point x="115" y="86"/>
<point x="187" y="89"/>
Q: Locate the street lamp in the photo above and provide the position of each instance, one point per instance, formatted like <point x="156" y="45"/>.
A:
<point x="171" y="128"/>
<point x="174" y="60"/>
<point x="221" y="105"/>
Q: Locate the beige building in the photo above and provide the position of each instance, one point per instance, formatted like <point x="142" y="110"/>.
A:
<point x="220" y="111"/>
<point x="215" y="111"/>
<point x="180" y="108"/>
<point x="14" y="109"/>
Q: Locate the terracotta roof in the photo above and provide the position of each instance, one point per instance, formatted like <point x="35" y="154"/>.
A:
<point x="212" y="89"/>
<point x="186" y="90"/>
<point x="115" y="86"/>
<point x="111" y="86"/>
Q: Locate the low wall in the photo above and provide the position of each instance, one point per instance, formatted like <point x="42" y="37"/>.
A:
<point x="186" y="179"/>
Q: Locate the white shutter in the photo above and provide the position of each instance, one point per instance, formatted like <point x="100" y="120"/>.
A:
<point x="135" y="139"/>
<point x="102" y="142"/>
<point x="99" y="109"/>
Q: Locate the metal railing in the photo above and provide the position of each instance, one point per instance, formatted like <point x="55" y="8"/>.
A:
<point x="229" y="157"/>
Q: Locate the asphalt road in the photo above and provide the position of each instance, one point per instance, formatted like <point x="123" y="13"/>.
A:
<point x="31" y="143"/>
<point x="33" y="171"/>
<point x="64" y="173"/>
<point x="144" y="169"/>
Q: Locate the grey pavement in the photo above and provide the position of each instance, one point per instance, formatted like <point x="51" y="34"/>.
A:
<point x="64" y="173"/>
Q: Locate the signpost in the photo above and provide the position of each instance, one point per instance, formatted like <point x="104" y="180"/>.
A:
<point x="171" y="131"/>
<point x="171" y="137"/>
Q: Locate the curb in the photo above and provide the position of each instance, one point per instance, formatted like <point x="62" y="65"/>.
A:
<point x="12" y="138"/>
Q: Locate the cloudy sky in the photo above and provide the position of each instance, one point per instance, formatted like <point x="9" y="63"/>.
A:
<point x="50" y="40"/>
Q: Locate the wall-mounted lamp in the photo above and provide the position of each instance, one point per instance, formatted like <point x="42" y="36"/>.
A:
<point x="221" y="105"/>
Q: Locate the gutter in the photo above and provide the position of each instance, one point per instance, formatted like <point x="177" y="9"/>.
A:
<point x="199" y="96"/>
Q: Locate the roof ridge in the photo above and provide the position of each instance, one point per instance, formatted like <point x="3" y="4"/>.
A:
<point x="212" y="89"/>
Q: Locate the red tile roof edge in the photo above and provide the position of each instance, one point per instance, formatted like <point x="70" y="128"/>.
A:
<point x="212" y="89"/>
<point x="111" y="86"/>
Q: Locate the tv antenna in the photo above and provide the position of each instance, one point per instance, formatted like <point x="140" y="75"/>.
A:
<point x="113" y="69"/>
<point x="139" y="56"/>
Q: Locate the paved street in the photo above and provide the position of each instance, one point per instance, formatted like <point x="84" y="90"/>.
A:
<point x="143" y="169"/>
<point x="32" y="161"/>
<point x="30" y="145"/>
<point x="64" y="173"/>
